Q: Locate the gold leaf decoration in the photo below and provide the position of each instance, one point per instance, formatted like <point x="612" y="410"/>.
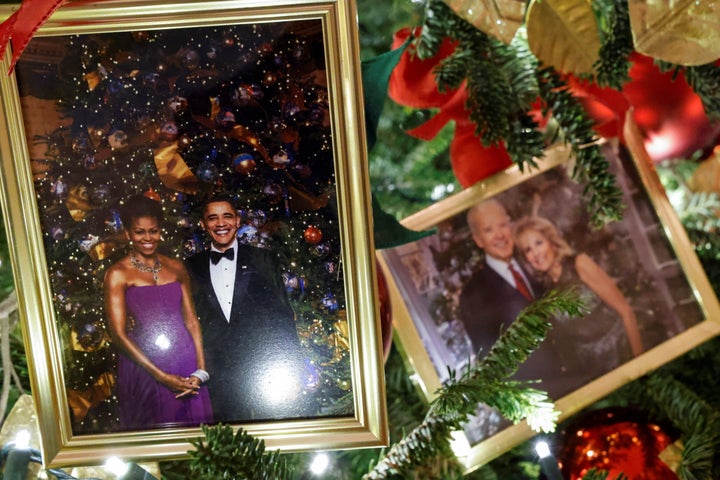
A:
<point x="563" y="34"/>
<point x="685" y="32"/>
<point x="500" y="19"/>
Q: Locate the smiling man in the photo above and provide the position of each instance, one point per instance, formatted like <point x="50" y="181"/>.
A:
<point x="494" y="295"/>
<point x="248" y="326"/>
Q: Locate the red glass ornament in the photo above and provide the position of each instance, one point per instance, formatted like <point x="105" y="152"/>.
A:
<point x="664" y="106"/>
<point x="312" y="235"/>
<point x="617" y="440"/>
<point x="152" y="194"/>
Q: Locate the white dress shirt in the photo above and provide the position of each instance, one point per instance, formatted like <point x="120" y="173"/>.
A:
<point x="222" y="276"/>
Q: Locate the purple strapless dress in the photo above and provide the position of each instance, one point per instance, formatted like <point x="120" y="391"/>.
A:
<point x="156" y="325"/>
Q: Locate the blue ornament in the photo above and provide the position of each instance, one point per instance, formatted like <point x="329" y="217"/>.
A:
<point x="207" y="172"/>
<point x="82" y="145"/>
<point x="330" y="302"/>
<point x="87" y="242"/>
<point x="247" y="234"/>
<point x="100" y="194"/>
<point x="293" y="283"/>
<point x="290" y="110"/>
<point x="321" y="250"/>
<point x="57" y="232"/>
<point x="191" y="246"/>
<point x="225" y="119"/>
<point x="113" y="221"/>
<point x="257" y="218"/>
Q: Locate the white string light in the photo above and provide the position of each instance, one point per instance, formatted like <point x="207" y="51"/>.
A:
<point x="320" y="463"/>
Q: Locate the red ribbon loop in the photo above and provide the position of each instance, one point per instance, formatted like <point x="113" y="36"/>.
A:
<point x="20" y="27"/>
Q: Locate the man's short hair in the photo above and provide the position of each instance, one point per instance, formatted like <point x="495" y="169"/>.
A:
<point x="220" y="197"/>
<point x="476" y="210"/>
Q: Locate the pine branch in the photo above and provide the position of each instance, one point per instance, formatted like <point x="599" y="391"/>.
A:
<point x="234" y="457"/>
<point x="427" y="441"/>
<point x="499" y="78"/>
<point x="705" y="81"/>
<point x="487" y="381"/>
<point x="698" y="420"/>
<point x="502" y="81"/>
<point x="699" y="212"/>
<point x="526" y="333"/>
<point x="483" y="382"/>
<point x="698" y="456"/>
<point x="594" y="474"/>
<point x="613" y="64"/>
<point x="592" y="169"/>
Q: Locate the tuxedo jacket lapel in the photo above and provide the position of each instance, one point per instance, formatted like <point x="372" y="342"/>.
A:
<point x="209" y="290"/>
<point x="243" y="271"/>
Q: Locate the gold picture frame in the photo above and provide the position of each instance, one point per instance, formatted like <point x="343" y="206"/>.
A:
<point x="647" y="255"/>
<point x="118" y="97"/>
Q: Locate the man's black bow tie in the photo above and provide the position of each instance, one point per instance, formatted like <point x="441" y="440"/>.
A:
<point x="216" y="256"/>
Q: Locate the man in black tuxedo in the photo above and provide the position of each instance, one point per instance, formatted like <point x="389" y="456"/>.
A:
<point x="494" y="296"/>
<point x="252" y="350"/>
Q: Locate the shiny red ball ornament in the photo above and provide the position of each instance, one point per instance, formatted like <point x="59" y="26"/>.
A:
<point x="664" y="106"/>
<point x="617" y="440"/>
<point x="312" y="235"/>
<point x="152" y="194"/>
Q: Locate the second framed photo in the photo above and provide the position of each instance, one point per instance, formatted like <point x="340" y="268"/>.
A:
<point x="502" y="243"/>
<point x="185" y="190"/>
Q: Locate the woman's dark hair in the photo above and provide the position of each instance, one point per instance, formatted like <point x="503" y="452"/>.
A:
<point x="139" y="206"/>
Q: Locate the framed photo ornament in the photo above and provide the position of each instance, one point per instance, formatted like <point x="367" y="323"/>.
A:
<point x="648" y="295"/>
<point x="253" y="104"/>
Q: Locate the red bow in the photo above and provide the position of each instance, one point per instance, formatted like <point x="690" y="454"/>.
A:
<point x="22" y="25"/>
<point x="413" y="84"/>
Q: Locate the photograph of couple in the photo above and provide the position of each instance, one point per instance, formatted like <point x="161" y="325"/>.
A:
<point x="180" y="368"/>
<point x="509" y="281"/>
<point x="463" y="286"/>
<point x="185" y="182"/>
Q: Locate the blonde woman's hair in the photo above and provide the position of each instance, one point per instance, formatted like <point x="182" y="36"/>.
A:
<point x="548" y="230"/>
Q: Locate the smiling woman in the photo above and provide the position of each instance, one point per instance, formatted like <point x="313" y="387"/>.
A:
<point x="153" y="324"/>
<point x="552" y="261"/>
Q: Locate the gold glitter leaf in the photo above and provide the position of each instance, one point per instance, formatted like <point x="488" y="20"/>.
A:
<point x="563" y="34"/>
<point x="500" y="19"/>
<point x="685" y="32"/>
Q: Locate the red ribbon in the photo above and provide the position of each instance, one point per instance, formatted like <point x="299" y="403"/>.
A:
<point x="22" y="25"/>
<point x="664" y="106"/>
<point x="413" y="84"/>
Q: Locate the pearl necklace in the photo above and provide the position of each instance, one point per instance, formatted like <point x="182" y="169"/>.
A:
<point x="144" y="268"/>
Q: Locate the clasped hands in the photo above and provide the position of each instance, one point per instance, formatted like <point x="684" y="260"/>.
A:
<point x="182" y="386"/>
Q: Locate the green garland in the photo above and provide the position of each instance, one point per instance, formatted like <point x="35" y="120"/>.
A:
<point x="502" y="81"/>
<point x="591" y="168"/>
<point x="236" y="456"/>
<point x="485" y="382"/>
<point x="613" y="64"/>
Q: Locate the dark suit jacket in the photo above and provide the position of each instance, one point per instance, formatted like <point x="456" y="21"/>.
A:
<point x="258" y="350"/>
<point x="488" y="306"/>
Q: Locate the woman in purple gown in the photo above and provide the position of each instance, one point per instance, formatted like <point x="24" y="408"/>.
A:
<point x="152" y="320"/>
